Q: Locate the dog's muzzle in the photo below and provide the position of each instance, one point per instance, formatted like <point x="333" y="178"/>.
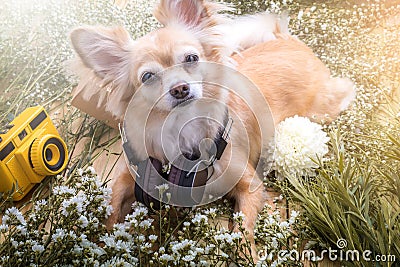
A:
<point x="186" y="179"/>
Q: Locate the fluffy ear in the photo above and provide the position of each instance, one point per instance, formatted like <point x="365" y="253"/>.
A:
<point x="104" y="67"/>
<point x="104" y="50"/>
<point x="202" y="18"/>
<point x="191" y="13"/>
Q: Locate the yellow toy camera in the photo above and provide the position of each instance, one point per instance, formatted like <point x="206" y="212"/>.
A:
<point x="29" y="151"/>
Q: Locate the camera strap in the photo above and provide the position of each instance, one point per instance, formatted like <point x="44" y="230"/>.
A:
<point x="186" y="179"/>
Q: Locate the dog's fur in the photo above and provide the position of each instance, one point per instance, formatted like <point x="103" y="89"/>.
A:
<point x="290" y="77"/>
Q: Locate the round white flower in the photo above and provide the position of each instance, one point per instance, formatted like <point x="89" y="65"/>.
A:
<point x="298" y="143"/>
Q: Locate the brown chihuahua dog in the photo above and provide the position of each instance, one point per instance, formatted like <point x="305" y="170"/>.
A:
<point x="290" y="81"/>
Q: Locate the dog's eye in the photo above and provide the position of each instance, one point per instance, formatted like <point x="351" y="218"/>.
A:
<point x="146" y="76"/>
<point x="191" y="58"/>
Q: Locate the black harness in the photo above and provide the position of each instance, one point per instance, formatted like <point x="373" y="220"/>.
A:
<point x="186" y="179"/>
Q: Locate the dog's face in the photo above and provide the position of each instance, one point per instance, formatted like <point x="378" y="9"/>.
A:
<point x="167" y="67"/>
<point x="164" y="63"/>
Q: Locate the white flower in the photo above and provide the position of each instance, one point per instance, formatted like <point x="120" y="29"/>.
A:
<point x="75" y="204"/>
<point x="109" y="210"/>
<point x="228" y="238"/>
<point x="224" y="255"/>
<point x="152" y="237"/>
<point x="198" y="218"/>
<point x="298" y="143"/>
<point x="188" y="258"/>
<point x="211" y="211"/>
<point x="58" y="235"/>
<point x="162" y="188"/>
<point x="138" y="211"/>
<point x="274" y="243"/>
<point x="91" y="170"/>
<point x="236" y="235"/>
<point x="83" y="221"/>
<point x="37" y="248"/>
<point x="199" y="250"/>
<point x="209" y="248"/>
<point x="61" y="190"/>
<point x="145" y="223"/>
<point x="166" y="257"/>
<point x="204" y="263"/>
<point x="39" y="204"/>
<point x="14" y="243"/>
<point x="284" y="225"/>
<point x="22" y="229"/>
<point x="145" y="246"/>
<point x="13" y="215"/>
<point x="238" y="216"/>
<point x="141" y="238"/>
<point x="300" y="15"/>
<point x="3" y="228"/>
<point x="293" y="215"/>
<point x="178" y="246"/>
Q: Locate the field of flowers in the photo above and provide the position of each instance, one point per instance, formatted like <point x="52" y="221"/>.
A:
<point x="335" y="182"/>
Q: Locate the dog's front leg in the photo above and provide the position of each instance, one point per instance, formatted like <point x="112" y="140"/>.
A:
<point x="123" y="188"/>
<point x="250" y="198"/>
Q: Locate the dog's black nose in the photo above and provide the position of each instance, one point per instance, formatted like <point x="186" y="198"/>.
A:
<point x="181" y="90"/>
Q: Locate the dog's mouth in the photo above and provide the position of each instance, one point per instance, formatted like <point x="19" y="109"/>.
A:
<point x="183" y="101"/>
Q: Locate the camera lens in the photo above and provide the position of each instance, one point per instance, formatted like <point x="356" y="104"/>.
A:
<point x="48" y="155"/>
<point x="54" y="154"/>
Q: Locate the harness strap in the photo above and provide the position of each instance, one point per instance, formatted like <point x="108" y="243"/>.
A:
<point x="149" y="173"/>
<point x="150" y="170"/>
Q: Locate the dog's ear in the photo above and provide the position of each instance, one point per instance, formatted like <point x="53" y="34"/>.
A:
<point x="104" y="67"/>
<point x="104" y="50"/>
<point x="202" y="18"/>
<point x="190" y="13"/>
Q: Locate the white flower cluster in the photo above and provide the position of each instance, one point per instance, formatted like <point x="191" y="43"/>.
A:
<point x="297" y="146"/>
<point x="216" y="243"/>
<point x="75" y="233"/>
<point x="275" y="234"/>
<point x="71" y="216"/>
